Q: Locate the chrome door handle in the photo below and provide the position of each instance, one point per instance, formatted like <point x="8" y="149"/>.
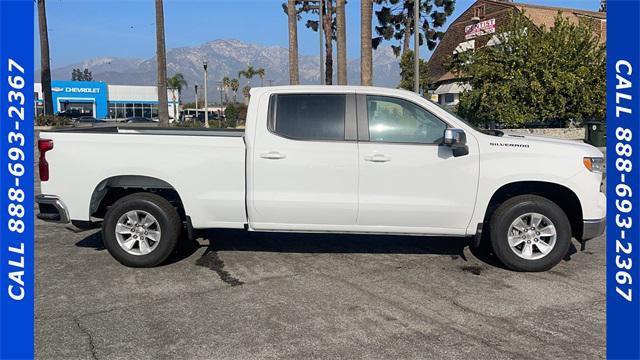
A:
<point x="377" y="158"/>
<point x="273" y="155"/>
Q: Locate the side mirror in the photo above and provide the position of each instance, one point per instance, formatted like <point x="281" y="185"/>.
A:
<point x="456" y="139"/>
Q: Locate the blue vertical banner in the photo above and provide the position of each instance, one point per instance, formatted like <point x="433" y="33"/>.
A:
<point x="16" y="179"/>
<point x="623" y="182"/>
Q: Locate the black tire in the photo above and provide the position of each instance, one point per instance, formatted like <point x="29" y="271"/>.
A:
<point x="508" y="212"/>
<point x="166" y="216"/>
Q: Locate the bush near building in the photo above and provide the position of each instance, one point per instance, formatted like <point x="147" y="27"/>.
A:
<point x="540" y="75"/>
<point x="52" y="120"/>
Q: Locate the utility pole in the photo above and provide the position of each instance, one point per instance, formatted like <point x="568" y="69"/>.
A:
<point x="416" y="46"/>
<point x="194" y="122"/>
<point x="206" y="98"/>
<point x="270" y="82"/>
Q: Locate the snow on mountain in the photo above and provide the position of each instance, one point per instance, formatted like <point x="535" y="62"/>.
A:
<point x="227" y="58"/>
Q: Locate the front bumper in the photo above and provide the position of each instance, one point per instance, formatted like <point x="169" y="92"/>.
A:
<point x="593" y="228"/>
<point x="51" y="208"/>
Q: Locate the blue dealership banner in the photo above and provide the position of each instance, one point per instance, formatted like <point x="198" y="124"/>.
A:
<point x="16" y="179"/>
<point x="623" y="182"/>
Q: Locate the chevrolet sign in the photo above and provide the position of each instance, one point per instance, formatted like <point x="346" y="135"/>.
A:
<point x="57" y="89"/>
<point x="70" y="89"/>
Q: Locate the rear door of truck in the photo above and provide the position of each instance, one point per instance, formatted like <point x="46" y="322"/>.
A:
<point x="304" y="162"/>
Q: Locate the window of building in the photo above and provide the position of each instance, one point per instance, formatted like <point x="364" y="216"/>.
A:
<point x="401" y="121"/>
<point x="309" y="117"/>
<point x="478" y="11"/>
<point x="119" y="110"/>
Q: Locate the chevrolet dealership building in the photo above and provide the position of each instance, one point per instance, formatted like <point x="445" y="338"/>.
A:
<point x="103" y="101"/>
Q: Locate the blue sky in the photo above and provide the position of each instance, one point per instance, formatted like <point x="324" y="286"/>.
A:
<point x="82" y="29"/>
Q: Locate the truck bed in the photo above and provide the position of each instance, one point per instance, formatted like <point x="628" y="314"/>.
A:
<point x="148" y="130"/>
<point x="206" y="167"/>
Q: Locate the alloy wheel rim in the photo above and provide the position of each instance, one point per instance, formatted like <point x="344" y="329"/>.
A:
<point x="532" y="236"/>
<point x="138" y="232"/>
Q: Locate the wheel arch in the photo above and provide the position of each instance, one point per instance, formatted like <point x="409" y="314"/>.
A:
<point x="113" y="188"/>
<point x="561" y="195"/>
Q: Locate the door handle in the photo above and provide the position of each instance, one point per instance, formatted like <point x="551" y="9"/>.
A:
<point x="377" y="158"/>
<point x="273" y="155"/>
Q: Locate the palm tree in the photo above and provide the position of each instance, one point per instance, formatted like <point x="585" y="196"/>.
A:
<point x="176" y="83"/>
<point x="161" y="55"/>
<point x="260" y="72"/>
<point x="246" y="92"/>
<point x="366" y="52"/>
<point x="45" y="66"/>
<point x="294" y="77"/>
<point x="226" y="84"/>
<point x="249" y="73"/>
<point x="235" y="85"/>
<point x="341" y="32"/>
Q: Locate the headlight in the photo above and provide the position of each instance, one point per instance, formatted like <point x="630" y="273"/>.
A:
<point x="594" y="164"/>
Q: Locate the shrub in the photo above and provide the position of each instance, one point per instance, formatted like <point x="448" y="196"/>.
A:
<point x="52" y="120"/>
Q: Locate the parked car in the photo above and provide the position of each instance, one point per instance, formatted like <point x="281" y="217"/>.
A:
<point x="332" y="159"/>
<point x="71" y="114"/>
<point x="140" y="119"/>
<point x="87" y="121"/>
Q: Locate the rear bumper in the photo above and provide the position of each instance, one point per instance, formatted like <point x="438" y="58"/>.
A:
<point x="593" y="228"/>
<point x="51" y="208"/>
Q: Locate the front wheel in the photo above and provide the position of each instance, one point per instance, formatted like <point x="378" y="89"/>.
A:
<point x="530" y="233"/>
<point x="141" y="230"/>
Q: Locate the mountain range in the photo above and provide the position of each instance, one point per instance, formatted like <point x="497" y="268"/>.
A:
<point x="226" y="58"/>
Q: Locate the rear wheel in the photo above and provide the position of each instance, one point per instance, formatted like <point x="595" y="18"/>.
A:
<point x="141" y="230"/>
<point x="530" y="233"/>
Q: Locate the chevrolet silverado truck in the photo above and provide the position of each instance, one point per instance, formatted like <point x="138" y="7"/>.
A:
<point x="332" y="159"/>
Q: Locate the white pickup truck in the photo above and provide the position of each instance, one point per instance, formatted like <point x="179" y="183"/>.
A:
<point x="337" y="159"/>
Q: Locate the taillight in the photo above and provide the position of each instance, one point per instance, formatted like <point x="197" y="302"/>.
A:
<point x="44" y="145"/>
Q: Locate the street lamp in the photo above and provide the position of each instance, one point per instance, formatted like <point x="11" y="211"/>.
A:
<point x="206" y="98"/>
<point x="194" y="122"/>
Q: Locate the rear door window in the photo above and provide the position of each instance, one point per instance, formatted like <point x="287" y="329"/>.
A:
<point x="309" y="116"/>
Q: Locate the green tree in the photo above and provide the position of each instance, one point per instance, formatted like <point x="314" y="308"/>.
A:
<point x="234" y="84"/>
<point x="260" y="72"/>
<point x="81" y="75"/>
<point x="161" y="66"/>
<point x="292" y="19"/>
<point x="226" y="84"/>
<point x="366" y="44"/>
<point x="246" y="91"/>
<point x="329" y="27"/>
<point x="45" y="63"/>
<point x="535" y="75"/>
<point x="176" y="83"/>
<point x="396" y="22"/>
<point x="407" y="71"/>
<point x="248" y="73"/>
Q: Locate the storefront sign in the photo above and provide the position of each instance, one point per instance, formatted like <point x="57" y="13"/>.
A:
<point x="479" y="29"/>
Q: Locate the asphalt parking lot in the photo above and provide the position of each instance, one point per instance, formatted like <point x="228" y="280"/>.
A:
<point x="239" y="295"/>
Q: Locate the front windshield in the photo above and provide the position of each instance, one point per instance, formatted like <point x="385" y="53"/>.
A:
<point x="448" y="110"/>
<point x="466" y="122"/>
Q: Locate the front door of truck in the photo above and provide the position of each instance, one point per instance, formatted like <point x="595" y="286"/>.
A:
<point x="304" y="163"/>
<point x="409" y="182"/>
